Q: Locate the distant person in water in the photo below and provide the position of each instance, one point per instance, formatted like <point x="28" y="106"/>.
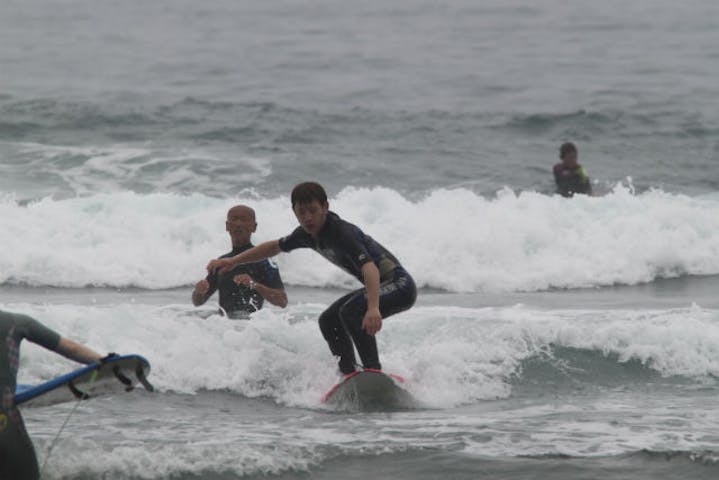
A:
<point x="357" y="316"/>
<point x="17" y="454"/>
<point x="570" y="175"/>
<point x="244" y="288"/>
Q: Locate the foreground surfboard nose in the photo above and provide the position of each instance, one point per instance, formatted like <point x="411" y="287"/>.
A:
<point x="114" y="375"/>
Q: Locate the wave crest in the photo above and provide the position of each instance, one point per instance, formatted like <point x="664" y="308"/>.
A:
<point x="454" y="240"/>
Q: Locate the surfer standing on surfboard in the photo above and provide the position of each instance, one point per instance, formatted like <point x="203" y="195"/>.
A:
<point x="244" y="289"/>
<point x="357" y="316"/>
<point x="17" y="454"/>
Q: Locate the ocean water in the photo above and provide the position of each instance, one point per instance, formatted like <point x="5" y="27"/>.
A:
<point x="563" y="338"/>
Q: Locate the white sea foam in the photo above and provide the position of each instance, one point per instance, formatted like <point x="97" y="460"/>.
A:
<point x="168" y="459"/>
<point x="450" y="356"/>
<point x="450" y="239"/>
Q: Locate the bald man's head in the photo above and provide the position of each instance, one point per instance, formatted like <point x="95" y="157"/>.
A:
<point x="241" y="210"/>
<point x="240" y="224"/>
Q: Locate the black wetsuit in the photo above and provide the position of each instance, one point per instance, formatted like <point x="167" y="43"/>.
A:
<point x="571" y="180"/>
<point x="349" y="248"/>
<point x="17" y="454"/>
<point x="239" y="300"/>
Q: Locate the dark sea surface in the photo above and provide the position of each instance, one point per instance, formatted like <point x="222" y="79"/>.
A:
<point x="552" y="338"/>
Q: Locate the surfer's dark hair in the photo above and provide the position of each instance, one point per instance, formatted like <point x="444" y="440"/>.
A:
<point x="307" y="192"/>
<point x="566" y="148"/>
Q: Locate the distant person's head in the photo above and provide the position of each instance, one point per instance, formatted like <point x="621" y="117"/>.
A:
<point x="240" y="224"/>
<point x="568" y="154"/>
<point x="310" y="206"/>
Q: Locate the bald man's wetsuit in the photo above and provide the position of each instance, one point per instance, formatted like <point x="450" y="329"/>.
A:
<point x="17" y="455"/>
<point x="238" y="301"/>
<point x="345" y="245"/>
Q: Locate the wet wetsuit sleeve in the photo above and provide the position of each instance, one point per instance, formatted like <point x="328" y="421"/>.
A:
<point x="39" y="333"/>
<point x="297" y="239"/>
<point x="271" y="276"/>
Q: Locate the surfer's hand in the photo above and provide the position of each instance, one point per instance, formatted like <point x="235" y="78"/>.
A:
<point x="372" y="322"/>
<point x="244" y="279"/>
<point x="202" y="287"/>
<point x="108" y="357"/>
<point x="219" y="265"/>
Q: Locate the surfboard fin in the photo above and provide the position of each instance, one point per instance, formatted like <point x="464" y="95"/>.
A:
<point x="79" y="394"/>
<point x="140" y="372"/>
<point x="121" y="376"/>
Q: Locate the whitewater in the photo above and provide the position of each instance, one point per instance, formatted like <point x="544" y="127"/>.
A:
<point x="229" y="386"/>
<point x="454" y="240"/>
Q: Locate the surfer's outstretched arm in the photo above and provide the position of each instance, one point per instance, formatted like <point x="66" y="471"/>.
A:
<point x="255" y="254"/>
<point x="76" y="351"/>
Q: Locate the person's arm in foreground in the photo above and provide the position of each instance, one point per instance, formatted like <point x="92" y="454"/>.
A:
<point x="372" y="322"/>
<point x="76" y="351"/>
<point x="255" y="254"/>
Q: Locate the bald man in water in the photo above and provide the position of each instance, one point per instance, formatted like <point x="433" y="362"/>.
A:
<point x="244" y="289"/>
